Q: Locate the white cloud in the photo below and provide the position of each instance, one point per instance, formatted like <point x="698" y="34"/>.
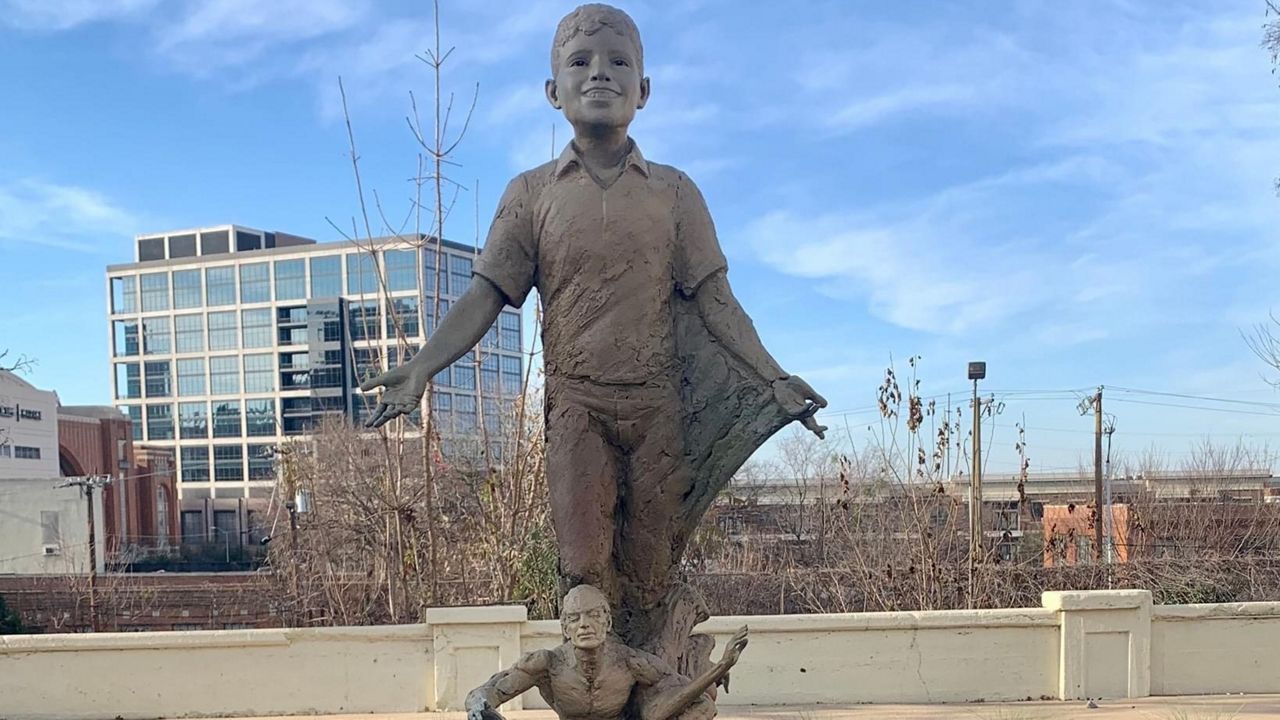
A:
<point x="67" y="14"/>
<point x="868" y="111"/>
<point x="34" y="212"/>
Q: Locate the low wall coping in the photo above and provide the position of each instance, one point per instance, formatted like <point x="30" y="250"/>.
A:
<point x="201" y="639"/>
<point x="1057" y="600"/>
<point x="1216" y="611"/>
<point x="477" y="615"/>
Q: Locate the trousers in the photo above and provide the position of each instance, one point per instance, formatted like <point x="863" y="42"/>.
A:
<point x="616" y="475"/>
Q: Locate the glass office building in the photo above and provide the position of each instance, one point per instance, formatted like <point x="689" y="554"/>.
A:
<point x="225" y="341"/>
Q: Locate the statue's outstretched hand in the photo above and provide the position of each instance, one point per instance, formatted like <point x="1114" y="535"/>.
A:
<point x="402" y="389"/>
<point x="482" y="711"/>
<point x="801" y="401"/>
<point x="733" y="649"/>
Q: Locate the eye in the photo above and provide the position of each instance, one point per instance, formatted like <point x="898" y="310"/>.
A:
<point x="621" y="62"/>
<point x="578" y="62"/>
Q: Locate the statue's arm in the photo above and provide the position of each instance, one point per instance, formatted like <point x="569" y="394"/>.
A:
<point x="528" y="672"/>
<point x="670" y="704"/>
<point x="729" y="324"/>
<point x="503" y="274"/>
<point x="466" y="322"/>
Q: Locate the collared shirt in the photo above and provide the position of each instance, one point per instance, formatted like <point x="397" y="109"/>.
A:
<point x="607" y="262"/>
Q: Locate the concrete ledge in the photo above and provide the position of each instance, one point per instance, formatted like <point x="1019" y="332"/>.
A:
<point x="1211" y="611"/>
<point x="1095" y="599"/>
<point x="143" y="641"/>
<point x="478" y="615"/>
<point x="949" y="619"/>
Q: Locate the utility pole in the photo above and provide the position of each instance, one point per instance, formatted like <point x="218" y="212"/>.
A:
<point x="1109" y="429"/>
<point x="977" y="371"/>
<point x="1086" y="406"/>
<point x="89" y="484"/>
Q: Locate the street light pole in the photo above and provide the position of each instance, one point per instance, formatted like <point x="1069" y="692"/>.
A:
<point x="977" y="371"/>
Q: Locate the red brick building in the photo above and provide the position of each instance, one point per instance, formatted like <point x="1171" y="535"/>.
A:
<point x="140" y="504"/>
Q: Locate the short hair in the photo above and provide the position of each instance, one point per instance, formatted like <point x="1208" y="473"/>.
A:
<point x="589" y="19"/>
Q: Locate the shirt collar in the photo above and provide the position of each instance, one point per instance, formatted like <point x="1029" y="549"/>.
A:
<point x="569" y="158"/>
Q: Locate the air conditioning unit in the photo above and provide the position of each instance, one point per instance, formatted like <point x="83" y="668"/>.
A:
<point x="52" y="550"/>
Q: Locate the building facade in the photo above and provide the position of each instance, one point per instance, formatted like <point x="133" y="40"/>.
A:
<point x="28" y="429"/>
<point x="227" y="341"/>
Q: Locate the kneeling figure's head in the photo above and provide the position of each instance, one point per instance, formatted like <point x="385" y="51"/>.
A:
<point x="585" y="619"/>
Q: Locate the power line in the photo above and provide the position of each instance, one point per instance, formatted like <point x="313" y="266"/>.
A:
<point x="1198" y="407"/>
<point x="1199" y="397"/>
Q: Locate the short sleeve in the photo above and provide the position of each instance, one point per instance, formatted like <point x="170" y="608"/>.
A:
<point x="509" y="259"/>
<point x="698" y="254"/>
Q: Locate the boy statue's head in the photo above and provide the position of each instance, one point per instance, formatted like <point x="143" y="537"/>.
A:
<point x="597" y="69"/>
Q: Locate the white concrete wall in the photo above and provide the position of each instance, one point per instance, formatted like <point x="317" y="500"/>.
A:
<point x="216" y="672"/>
<point x="22" y="536"/>
<point x="1080" y="644"/>
<point x="1207" y="649"/>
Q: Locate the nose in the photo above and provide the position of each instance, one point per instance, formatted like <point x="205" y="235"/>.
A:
<point x="600" y="70"/>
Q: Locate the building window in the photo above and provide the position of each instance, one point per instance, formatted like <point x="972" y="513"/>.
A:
<point x="489" y="374"/>
<point x="260" y="418"/>
<point x="150" y="249"/>
<point x="135" y="419"/>
<point x="362" y="273"/>
<point x="188" y="333"/>
<point x="256" y="328"/>
<point x="430" y="255"/>
<point x="492" y="415"/>
<point x="50" y="532"/>
<point x="326" y="277"/>
<point x="124" y="335"/>
<point x="262" y="462"/>
<point x="187" y="290"/>
<point x="366" y="362"/>
<point x="291" y="281"/>
<point x="464" y="372"/>
<point x="215" y="242"/>
<point x="195" y="467"/>
<point x="222" y="331"/>
<point x="255" y="283"/>
<point x="363" y="320"/>
<point x="512" y="377"/>
<point x="459" y="274"/>
<point x="155" y="336"/>
<point x="159" y="422"/>
<point x="155" y="291"/>
<point x="259" y="374"/>
<point x="405" y="312"/>
<point x="182" y="246"/>
<point x="190" y="377"/>
<point x="429" y="312"/>
<point x="509" y="332"/>
<point x="23" y="452"/>
<point x="128" y="381"/>
<point x="124" y="295"/>
<point x="159" y="379"/>
<point x="398" y="356"/>
<point x="228" y="463"/>
<point x="193" y="532"/>
<point x="193" y="421"/>
<point x="464" y="413"/>
<point x="226" y="419"/>
<point x="402" y="269"/>
<point x="442" y="411"/>
<point x="224" y="375"/>
<point x="220" y="286"/>
<point x="246" y="241"/>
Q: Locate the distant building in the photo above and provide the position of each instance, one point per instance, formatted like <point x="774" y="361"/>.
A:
<point x="44" y="513"/>
<point x="28" y="429"/>
<point x="226" y="341"/>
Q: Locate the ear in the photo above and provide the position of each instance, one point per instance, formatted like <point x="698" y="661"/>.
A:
<point x="553" y="95"/>
<point x="644" y="93"/>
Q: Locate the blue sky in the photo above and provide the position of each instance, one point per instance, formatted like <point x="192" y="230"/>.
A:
<point x="1078" y="193"/>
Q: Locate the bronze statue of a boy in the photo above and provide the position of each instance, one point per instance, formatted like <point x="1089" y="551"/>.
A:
<point x="657" y="385"/>
<point x="592" y="676"/>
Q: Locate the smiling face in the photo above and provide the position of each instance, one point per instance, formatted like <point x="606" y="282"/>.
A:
<point x="584" y="618"/>
<point x="598" y="82"/>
